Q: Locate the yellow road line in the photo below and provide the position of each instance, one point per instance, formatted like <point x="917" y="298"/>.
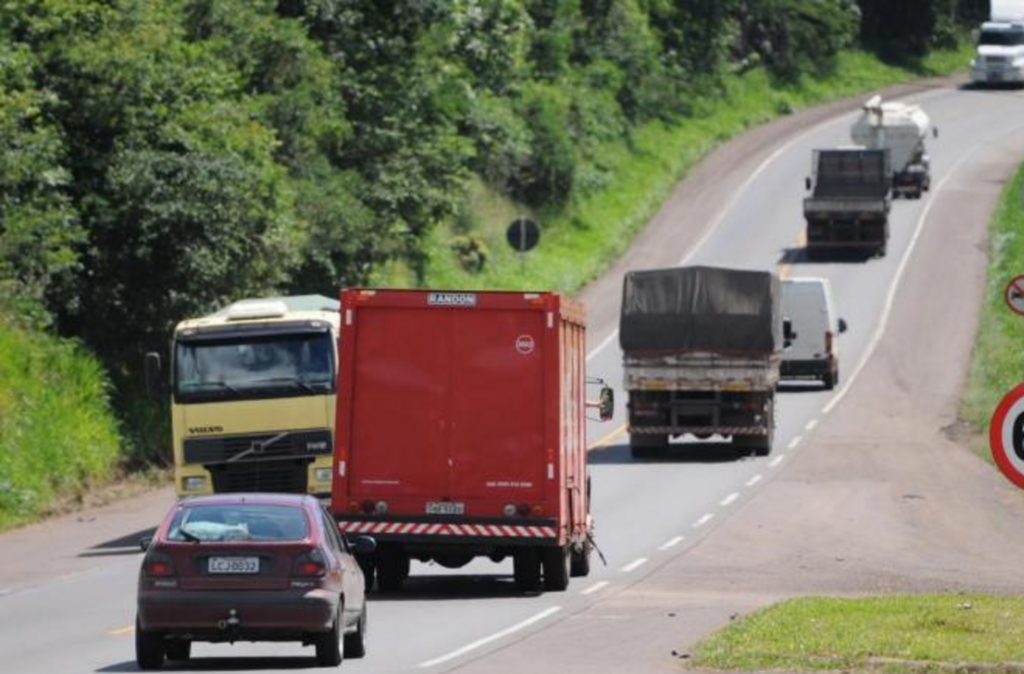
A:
<point x="121" y="631"/>
<point x="801" y="242"/>
<point x="610" y="438"/>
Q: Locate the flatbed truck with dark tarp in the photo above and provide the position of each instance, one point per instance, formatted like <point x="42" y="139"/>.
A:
<point x="702" y="348"/>
<point x="848" y="209"/>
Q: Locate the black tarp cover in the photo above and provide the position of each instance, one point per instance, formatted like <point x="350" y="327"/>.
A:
<point x="701" y="309"/>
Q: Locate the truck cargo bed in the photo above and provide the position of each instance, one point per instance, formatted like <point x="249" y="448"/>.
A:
<point x="700" y="372"/>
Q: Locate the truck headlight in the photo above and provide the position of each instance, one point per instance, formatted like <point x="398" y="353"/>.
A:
<point x="322" y="475"/>
<point x="194" y="483"/>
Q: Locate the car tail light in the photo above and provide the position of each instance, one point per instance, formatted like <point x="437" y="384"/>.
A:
<point x="828" y="342"/>
<point x="310" y="565"/>
<point x="159" y="565"/>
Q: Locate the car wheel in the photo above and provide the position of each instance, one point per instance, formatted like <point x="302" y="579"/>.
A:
<point x="580" y="564"/>
<point x="526" y="569"/>
<point x="556" y="568"/>
<point x="355" y="642"/>
<point x="329" y="644"/>
<point x="149" y="648"/>
<point x="179" y="650"/>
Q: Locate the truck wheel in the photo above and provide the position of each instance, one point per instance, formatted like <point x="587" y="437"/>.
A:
<point x="526" y="569"/>
<point x="392" y="568"/>
<point x="579" y="564"/>
<point x="179" y="651"/>
<point x="556" y="568"/>
<point x="646" y="446"/>
<point x="149" y="648"/>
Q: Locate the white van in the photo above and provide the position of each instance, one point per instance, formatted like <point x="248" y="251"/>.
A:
<point x="811" y="331"/>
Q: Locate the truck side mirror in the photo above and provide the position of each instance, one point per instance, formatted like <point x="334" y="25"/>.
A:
<point x="807" y="183"/>
<point x="606" y="408"/>
<point x="788" y="336"/>
<point x="842" y="326"/>
<point x="935" y="132"/>
<point x="154" y="371"/>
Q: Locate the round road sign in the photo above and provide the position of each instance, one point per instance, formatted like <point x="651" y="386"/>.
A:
<point x="524" y="234"/>
<point x="1014" y="295"/>
<point x="1006" y="436"/>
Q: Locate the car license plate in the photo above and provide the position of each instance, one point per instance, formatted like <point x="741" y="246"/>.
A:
<point x="234" y="565"/>
<point x="445" y="508"/>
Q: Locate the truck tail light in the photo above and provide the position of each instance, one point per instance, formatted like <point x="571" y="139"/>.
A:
<point x="367" y="506"/>
<point x="310" y="565"/>
<point x="159" y="565"/>
<point x="354" y="507"/>
<point x="523" y="510"/>
<point x="380" y="507"/>
<point x="510" y="510"/>
<point x="828" y="342"/>
<point x="537" y="510"/>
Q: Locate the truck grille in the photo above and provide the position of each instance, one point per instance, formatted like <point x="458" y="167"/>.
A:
<point x="258" y="447"/>
<point x="261" y="476"/>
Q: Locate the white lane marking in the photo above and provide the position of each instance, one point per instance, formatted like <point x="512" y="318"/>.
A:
<point x="634" y="565"/>
<point x="728" y="500"/>
<point x="754" y="480"/>
<point x="776" y="461"/>
<point x="811" y="425"/>
<point x="890" y="299"/>
<point x="121" y="631"/>
<point x="603" y="345"/>
<point x="546" y="613"/>
<point x="671" y="543"/>
<point x="703" y="520"/>
<point x="794" y="442"/>
<point x="596" y="587"/>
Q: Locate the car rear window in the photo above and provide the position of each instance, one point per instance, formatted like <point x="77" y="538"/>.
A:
<point x="238" y="522"/>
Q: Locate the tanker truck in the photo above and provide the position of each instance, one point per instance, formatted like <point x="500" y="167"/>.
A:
<point x="900" y="128"/>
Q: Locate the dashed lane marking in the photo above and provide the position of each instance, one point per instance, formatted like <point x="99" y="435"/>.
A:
<point x="794" y="442"/>
<point x="811" y="425"/>
<point x="730" y="499"/>
<point x="776" y="461"/>
<point x="634" y="565"/>
<point x="596" y="587"/>
<point x="754" y="480"/>
<point x="480" y="643"/>
<point x="671" y="543"/>
<point x="703" y="520"/>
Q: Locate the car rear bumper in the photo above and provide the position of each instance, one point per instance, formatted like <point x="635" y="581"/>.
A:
<point x="804" y="369"/>
<point x="265" y="614"/>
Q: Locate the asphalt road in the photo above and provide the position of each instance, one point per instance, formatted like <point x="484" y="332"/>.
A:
<point x="647" y="513"/>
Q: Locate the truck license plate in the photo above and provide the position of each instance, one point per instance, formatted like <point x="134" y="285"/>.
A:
<point x="234" y="565"/>
<point x="445" y="508"/>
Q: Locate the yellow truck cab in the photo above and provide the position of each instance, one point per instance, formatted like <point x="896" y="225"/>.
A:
<point x="253" y="397"/>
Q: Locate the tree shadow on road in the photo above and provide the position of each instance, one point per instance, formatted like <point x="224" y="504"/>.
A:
<point x="453" y="587"/>
<point x="794" y="256"/>
<point x="123" y="545"/>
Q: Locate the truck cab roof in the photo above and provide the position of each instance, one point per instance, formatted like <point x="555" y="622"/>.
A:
<point x="269" y="310"/>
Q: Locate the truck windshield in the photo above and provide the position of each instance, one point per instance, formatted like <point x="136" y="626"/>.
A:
<point x="254" y="367"/>
<point x="1002" y="38"/>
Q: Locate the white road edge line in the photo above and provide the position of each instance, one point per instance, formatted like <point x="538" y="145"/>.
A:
<point x="634" y="565"/>
<point x="546" y="613"/>
<point x="754" y="480"/>
<point x="776" y="461"/>
<point x="724" y="211"/>
<point x="596" y="587"/>
<point x="811" y="425"/>
<point x="707" y="517"/>
<point x="671" y="543"/>
<point x="890" y="299"/>
<point x="730" y="499"/>
<point x="794" y="442"/>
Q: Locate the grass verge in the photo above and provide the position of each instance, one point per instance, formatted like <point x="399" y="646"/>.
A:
<point x="58" y="435"/>
<point x="891" y="634"/>
<point x="583" y="239"/>
<point x="997" y="364"/>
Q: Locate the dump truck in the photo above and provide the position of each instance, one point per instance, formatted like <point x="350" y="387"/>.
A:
<point x="701" y="350"/>
<point x="848" y="209"/>
<point x="902" y="129"/>
<point x="462" y="432"/>
<point x="252" y="391"/>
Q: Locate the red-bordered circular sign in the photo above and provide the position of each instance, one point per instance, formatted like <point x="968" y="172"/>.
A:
<point x="1014" y="295"/>
<point x="1006" y="436"/>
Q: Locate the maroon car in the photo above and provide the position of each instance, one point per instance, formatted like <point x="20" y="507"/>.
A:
<point x="250" y="567"/>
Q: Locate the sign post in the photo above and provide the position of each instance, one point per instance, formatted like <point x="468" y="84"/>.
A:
<point x="523" y="235"/>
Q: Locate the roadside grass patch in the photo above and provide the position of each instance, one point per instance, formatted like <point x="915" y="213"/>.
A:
<point x="891" y="634"/>
<point x="582" y="239"/>
<point x="997" y="363"/>
<point x="58" y="435"/>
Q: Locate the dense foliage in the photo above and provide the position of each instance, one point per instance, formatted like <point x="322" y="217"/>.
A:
<point x="160" y="158"/>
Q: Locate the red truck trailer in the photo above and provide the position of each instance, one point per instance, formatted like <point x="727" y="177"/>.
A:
<point x="461" y="432"/>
